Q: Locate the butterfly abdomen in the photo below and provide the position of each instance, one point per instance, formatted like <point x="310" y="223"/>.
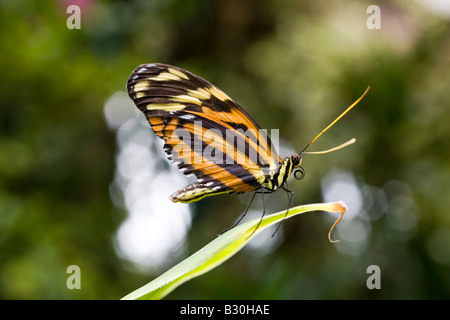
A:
<point x="197" y="191"/>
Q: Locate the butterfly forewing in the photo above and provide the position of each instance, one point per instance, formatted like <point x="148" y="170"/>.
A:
<point x="206" y="133"/>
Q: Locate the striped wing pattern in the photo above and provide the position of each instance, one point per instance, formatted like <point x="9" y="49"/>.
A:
<point x="206" y="133"/>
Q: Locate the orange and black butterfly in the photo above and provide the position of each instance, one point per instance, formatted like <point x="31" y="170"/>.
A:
<point x="209" y="135"/>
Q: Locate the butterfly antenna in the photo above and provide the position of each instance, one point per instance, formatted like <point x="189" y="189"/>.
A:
<point x="349" y="142"/>
<point x="330" y="125"/>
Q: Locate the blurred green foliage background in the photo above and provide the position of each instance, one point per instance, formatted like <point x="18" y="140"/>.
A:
<point x="294" y="65"/>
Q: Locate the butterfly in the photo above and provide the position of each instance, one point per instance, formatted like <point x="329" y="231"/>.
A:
<point x="209" y="135"/>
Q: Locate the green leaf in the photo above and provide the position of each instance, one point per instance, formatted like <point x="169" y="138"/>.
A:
<point x="220" y="249"/>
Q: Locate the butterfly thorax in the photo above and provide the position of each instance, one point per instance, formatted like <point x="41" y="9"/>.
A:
<point x="279" y="178"/>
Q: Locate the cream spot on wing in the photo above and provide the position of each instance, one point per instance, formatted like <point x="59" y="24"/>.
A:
<point x="186" y="99"/>
<point x="200" y="93"/>
<point x="141" y="86"/>
<point x="219" y="94"/>
<point x="166" y="106"/>
<point x="178" y="73"/>
<point x="165" y="76"/>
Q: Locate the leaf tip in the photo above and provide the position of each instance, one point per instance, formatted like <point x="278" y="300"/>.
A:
<point x="339" y="206"/>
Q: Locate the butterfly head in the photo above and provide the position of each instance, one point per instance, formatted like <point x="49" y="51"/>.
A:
<point x="296" y="160"/>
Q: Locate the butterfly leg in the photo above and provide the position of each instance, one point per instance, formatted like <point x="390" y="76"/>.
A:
<point x="290" y="195"/>
<point x="242" y="216"/>
<point x="264" y="210"/>
<point x="263" y="213"/>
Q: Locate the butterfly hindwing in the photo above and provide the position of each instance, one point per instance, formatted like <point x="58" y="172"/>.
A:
<point x="206" y="133"/>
